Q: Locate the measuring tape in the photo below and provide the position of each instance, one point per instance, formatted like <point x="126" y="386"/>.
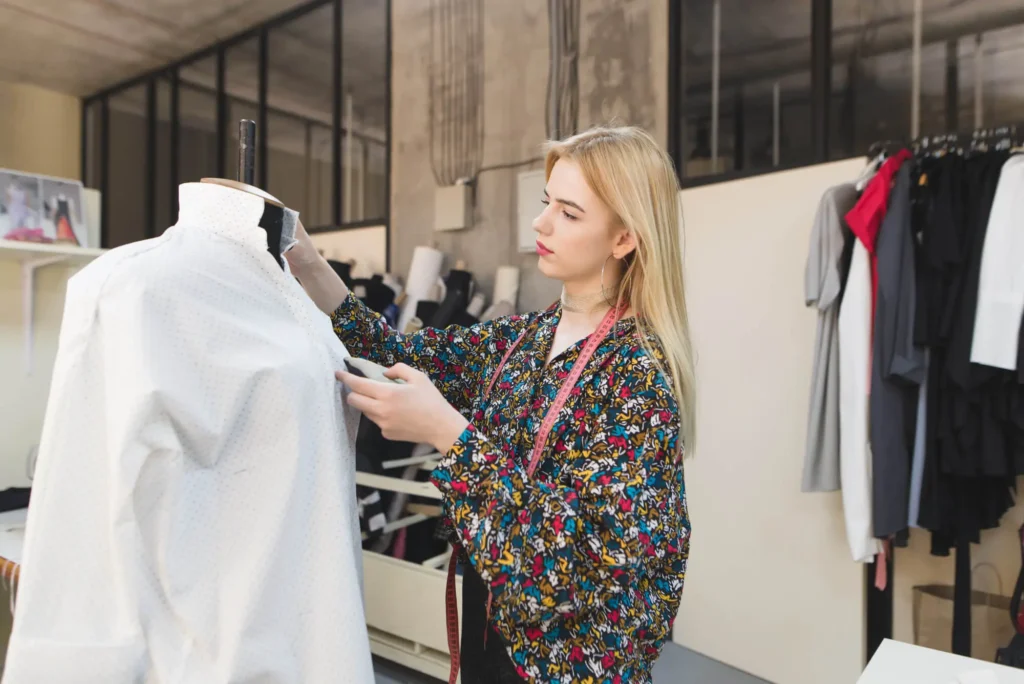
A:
<point x="593" y="341"/>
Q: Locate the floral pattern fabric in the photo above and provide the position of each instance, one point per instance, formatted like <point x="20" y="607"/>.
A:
<point x="585" y="559"/>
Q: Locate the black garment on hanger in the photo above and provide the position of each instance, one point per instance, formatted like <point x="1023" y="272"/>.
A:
<point x="971" y="439"/>
<point x="482" y="663"/>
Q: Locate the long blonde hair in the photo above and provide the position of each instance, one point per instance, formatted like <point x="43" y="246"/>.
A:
<point x="635" y="178"/>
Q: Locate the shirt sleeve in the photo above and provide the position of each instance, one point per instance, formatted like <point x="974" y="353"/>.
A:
<point x="547" y="549"/>
<point x="456" y="358"/>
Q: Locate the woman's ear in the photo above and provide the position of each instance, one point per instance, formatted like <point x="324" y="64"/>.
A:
<point x="624" y="244"/>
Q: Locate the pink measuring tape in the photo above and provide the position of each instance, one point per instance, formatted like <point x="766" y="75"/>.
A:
<point x="593" y="341"/>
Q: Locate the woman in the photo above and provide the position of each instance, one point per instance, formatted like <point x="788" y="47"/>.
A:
<point x="573" y="571"/>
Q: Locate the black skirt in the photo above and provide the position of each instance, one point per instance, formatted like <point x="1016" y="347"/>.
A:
<point x="482" y="663"/>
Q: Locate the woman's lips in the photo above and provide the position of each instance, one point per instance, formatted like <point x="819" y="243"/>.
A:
<point x="542" y="250"/>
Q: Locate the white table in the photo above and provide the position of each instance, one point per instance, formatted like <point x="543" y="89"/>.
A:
<point x="898" y="663"/>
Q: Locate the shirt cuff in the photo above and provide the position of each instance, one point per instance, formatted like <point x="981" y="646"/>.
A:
<point x="346" y="310"/>
<point x="466" y="465"/>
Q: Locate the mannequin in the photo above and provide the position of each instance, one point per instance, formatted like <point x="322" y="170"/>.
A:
<point x="273" y="220"/>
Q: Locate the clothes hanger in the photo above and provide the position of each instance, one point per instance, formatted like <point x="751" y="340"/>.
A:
<point x="274" y="210"/>
<point x="869" y="171"/>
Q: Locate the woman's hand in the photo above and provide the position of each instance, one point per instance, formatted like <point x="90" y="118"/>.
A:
<point x="411" y="412"/>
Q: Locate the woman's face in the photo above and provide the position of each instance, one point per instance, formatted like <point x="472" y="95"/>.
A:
<point x="576" y="232"/>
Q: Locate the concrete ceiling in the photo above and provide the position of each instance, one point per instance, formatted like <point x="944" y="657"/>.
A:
<point x="82" y="46"/>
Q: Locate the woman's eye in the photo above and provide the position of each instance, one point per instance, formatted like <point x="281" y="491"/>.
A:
<point x="568" y="216"/>
<point x="545" y="202"/>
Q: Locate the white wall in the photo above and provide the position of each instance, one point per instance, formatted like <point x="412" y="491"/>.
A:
<point x="771" y="588"/>
<point x="366" y="246"/>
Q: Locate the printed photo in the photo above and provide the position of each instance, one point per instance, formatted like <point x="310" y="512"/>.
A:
<point x="63" y="214"/>
<point x="21" y="216"/>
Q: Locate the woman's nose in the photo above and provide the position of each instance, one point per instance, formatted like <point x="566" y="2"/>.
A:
<point x="542" y="224"/>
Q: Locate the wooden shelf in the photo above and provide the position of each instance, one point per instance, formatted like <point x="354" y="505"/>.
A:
<point x="27" y="252"/>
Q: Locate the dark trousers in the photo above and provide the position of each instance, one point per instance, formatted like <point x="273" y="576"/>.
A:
<point x="482" y="664"/>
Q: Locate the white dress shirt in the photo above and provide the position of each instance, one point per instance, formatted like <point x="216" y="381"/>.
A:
<point x="193" y="512"/>
<point x="854" y="386"/>
<point x="1001" y="283"/>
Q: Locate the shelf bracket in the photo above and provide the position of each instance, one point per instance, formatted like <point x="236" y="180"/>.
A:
<point x="28" y="293"/>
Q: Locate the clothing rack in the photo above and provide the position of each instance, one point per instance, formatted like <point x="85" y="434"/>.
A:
<point x="1011" y="135"/>
<point x="879" y="608"/>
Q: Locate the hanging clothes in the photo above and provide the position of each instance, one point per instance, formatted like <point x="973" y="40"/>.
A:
<point x="1001" y="285"/>
<point x="865" y="219"/>
<point x="897" y="365"/>
<point x="822" y="286"/>
<point x="854" y="328"/>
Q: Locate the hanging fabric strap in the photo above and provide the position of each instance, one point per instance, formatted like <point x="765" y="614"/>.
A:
<point x="1018" y="590"/>
<point x="593" y="342"/>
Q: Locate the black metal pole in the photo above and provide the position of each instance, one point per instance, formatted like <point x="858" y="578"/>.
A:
<point x="83" y="150"/>
<point x="879" y="607"/>
<point x="336" y="188"/>
<point x="952" y="85"/>
<point x="821" y="76"/>
<point x="149" y="195"/>
<point x="246" y="151"/>
<point x="261" y="134"/>
<point x="222" y="116"/>
<point x="388" y="150"/>
<point x="848" y="119"/>
<point x="675" y="85"/>
<point x="175" y="148"/>
<point x="738" y="131"/>
<point x="104" y="149"/>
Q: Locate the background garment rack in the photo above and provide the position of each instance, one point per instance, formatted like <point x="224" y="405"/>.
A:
<point x="879" y="609"/>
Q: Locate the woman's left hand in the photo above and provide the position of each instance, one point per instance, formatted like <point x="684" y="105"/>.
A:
<point x="411" y="412"/>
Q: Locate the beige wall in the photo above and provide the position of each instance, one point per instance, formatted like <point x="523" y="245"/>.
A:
<point x="40" y="131"/>
<point x="622" y="79"/>
<point x="771" y="587"/>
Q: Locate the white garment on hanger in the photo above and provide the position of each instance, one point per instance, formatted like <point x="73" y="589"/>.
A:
<point x="193" y="514"/>
<point x="854" y="387"/>
<point x="1001" y="283"/>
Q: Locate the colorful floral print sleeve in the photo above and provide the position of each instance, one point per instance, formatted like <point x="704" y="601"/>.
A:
<point x="585" y="559"/>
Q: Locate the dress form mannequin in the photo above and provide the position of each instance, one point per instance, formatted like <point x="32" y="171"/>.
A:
<point x="273" y="214"/>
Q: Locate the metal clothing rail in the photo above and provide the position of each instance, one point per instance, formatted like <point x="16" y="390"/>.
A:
<point x="1009" y="134"/>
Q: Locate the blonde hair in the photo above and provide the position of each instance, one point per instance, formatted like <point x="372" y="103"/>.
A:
<point x="635" y="178"/>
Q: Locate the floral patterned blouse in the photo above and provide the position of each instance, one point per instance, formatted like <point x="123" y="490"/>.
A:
<point x="585" y="559"/>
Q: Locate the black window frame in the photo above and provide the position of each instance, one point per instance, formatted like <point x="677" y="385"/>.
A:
<point x="171" y="72"/>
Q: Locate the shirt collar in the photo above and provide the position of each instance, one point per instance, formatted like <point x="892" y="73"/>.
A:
<point x="223" y="211"/>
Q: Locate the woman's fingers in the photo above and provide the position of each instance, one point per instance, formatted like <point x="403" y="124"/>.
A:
<point x="369" y="388"/>
<point x="367" y="405"/>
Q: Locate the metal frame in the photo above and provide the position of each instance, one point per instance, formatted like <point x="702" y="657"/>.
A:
<point x="337" y="58"/>
<point x="822" y="58"/>
<point x="101" y="145"/>
<point x="149" y="203"/>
